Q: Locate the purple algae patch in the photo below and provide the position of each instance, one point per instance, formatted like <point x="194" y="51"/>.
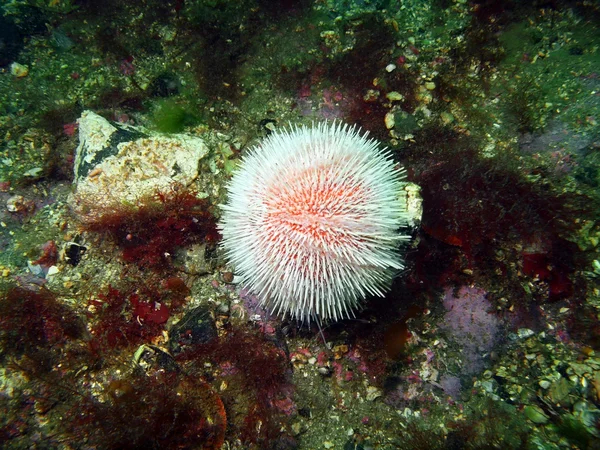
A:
<point x="470" y="323"/>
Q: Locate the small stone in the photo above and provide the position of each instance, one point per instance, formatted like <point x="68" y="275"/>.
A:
<point x="328" y="444"/>
<point x="134" y="165"/>
<point x="15" y="203"/>
<point x="525" y="333"/>
<point x="596" y="384"/>
<point x="19" y="70"/>
<point x="414" y="207"/>
<point x="559" y="392"/>
<point x="52" y="270"/>
<point x="325" y="371"/>
<point x="502" y="372"/>
<point x="535" y="414"/>
<point x="488" y="386"/>
<point x="227" y="277"/>
<point x="394" y="96"/>
<point x="33" y="173"/>
<point x="424" y="95"/>
<point x="195" y="327"/>
<point x="373" y="393"/>
<point x="299" y="358"/>
<point x="389" y="120"/>
<point x="580" y="369"/>
<point x="296" y="428"/>
<point x="312" y="361"/>
<point x="430" y="85"/>
<point x="390" y="67"/>
<point x="371" y="95"/>
<point x="544" y="384"/>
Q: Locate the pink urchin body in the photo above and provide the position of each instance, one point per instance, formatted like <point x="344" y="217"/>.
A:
<point x="312" y="221"/>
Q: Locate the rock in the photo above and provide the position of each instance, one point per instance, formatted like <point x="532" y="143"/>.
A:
<point x="193" y="260"/>
<point x="544" y="384"/>
<point x="120" y="167"/>
<point x="373" y="393"/>
<point x="196" y="327"/>
<point x="19" y="70"/>
<point x="535" y="414"/>
<point x="559" y="392"/>
<point x="394" y="96"/>
<point x="389" y="120"/>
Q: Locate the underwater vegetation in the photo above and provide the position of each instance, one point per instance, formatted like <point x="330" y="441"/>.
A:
<point x="147" y="237"/>
<point x="123" y="324"/>
<point x="153" y="398"/>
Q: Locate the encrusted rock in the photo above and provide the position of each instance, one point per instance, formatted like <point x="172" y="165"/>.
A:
<point x="120" y="167"/>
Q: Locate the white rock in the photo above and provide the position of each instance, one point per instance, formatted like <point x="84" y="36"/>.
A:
<point x="119" y="166"/>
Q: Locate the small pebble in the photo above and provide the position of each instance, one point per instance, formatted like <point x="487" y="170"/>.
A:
<point x="394" y="96"/>
<point x="325" y="371"/>
<point x="544" y="384"/>
<point x="227" y="277"/>
<point x="373" y="393"/>
<point x="525" y="332"/>
<point x="389" y="120"/>
<point x="19" y="70"/>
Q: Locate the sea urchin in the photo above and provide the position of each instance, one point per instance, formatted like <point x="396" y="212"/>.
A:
<point x="312" y="221"/>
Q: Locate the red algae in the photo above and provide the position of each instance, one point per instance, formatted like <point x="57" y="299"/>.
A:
<point x="33" y="323"/>
<point x="49" y="256"/>
<point x="124" y="318"/>
<point x="169" y="411"/>
<point x="46" y="341"/>
<point x="476" y="207"/>
<point x="149" y="236"/>
<point x="149" y="311"/>
<point x="257" y="372"/>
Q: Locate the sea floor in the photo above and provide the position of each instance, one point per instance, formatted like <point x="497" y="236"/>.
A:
<point x="123" y="324"/>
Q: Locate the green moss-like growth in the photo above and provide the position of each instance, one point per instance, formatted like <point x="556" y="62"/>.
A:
<point x="575" y="432"/>
<point x="548" y="68"/>
<point x="171" y="116"/>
